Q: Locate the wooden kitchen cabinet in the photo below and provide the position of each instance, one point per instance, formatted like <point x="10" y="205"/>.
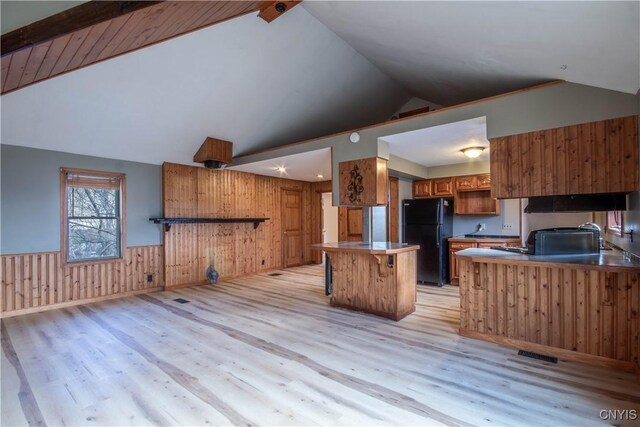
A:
<point x="422" y="188"/>
<point x="459" y="243"/>
<point x="589" y="158"/>
<point x="437" y="187"/>
<point x="442" y="187"/>
<point x="363" y="182"/>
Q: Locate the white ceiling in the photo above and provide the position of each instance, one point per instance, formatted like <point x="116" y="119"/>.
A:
<point x="304" y="166"/>
<point x="450" y="52"/>
<point x="256" y="84"/>
<point x="441" y="145"/>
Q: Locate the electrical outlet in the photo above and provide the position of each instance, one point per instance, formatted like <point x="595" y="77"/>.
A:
<point x="149" y="278"/>
<point x="507" y="226"/>
<point x="482" y="227"/>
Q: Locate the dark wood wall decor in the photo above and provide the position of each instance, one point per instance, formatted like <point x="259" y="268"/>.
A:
<point x="41" y="281"/>
<point x="97" y="30"/>
<point x="363" y="182"/>
<point x="236" y="249"/>
<point x="590" y="158"/>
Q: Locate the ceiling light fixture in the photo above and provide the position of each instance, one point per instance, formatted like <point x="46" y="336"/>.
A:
<point x="473" y="152"/>
<point x="319" y="176"/>
<point x="281" y="169"/>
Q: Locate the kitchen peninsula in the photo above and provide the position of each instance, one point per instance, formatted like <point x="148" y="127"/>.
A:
<point x="377" y="278"/>
<point x="577" y="307"/>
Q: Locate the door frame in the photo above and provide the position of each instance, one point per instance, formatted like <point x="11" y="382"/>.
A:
<point x="282" y="221"/>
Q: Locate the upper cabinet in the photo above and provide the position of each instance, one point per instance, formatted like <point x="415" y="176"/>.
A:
<point x="363" y="182"/>
<point x="590" y="158"/>
<point x="471" y="193"/>
<point x="438" y="187"/>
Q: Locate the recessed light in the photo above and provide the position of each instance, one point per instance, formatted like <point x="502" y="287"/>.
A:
<point x="280" y="169"/>
<point x="319" y="176"/>
<point x="472" y="152"/>
<point x="354" y="137"/>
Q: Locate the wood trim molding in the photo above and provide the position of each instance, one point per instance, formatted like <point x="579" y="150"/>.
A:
<point x="270" y="11"/>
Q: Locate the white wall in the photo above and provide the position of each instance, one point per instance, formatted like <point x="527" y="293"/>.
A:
<point x="329" y="219"/>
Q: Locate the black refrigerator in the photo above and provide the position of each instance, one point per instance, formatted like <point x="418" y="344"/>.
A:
<point x="429" y="223"/>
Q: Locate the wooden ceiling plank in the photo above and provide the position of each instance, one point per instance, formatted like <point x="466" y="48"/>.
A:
<point x="144" y="26"/>
<point x="16" y="68"/>
<point x="69" y="21"/>
<point x="51" y="58"/>
<point x="195" y="16"/>
<point x="114" y="26"/>
<point x="6" y="63"/>
<point x="146" y="37"/>
<point x="126" y="29"/>
<point x="179" y="8"/>
<point x="67" y="54"/>
<point x="171" y="29"/>
<point x="214" y="6"/>
<point x="229" y="10"/>
<point x="38" y="53"/>
<point x="94" y="35"/>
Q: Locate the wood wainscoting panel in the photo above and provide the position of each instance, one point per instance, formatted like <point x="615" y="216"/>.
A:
<point x="39" y="281"/>
<point x="586" y="315"/>
<point x="235" y="249"/>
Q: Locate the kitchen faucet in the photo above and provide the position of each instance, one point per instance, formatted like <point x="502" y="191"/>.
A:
<point x="594" y="226"/>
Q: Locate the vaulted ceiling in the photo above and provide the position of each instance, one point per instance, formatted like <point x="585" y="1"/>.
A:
<point x="449" y="52"/>
<point x="320" y="68"/>
<point x="254" y="83"/>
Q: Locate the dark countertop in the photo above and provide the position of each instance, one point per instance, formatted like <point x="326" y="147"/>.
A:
<point x="486" y="236"/>
<point x="373" y="248"/>
<point x="611" y="260"/>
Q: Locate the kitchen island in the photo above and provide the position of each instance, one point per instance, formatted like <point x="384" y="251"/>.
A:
<point x="578" y="307"/>
<point x="378" y="278"/>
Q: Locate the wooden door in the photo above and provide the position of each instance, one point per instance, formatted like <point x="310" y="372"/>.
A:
<point x="292" y="249"/>
<point x="350" y="224"/>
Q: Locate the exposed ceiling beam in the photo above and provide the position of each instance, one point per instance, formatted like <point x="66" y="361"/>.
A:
<point x="97" y="30"/>
<point x="271" y="10"/>
<point x="76" y="18"/>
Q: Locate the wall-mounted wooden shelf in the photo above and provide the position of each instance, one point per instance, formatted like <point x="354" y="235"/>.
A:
<point x="167" y="222"/>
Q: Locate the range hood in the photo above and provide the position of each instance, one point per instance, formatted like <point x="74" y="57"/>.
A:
<point x="577" y="203"/>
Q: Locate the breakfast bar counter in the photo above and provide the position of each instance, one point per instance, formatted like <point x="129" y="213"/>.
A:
<point x="378" y="278"/>
<point x="579" y="307"/>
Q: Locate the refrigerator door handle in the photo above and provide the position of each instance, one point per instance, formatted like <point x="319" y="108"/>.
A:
<point x="438" y="235"/>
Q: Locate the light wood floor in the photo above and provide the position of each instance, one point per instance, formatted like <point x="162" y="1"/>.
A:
<point x="268" y="350"/>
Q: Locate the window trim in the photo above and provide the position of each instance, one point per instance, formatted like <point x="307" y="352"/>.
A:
<point x="615" y="230"/>
<point x="64" y="223"/>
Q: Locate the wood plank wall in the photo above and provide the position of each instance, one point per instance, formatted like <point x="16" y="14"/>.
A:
<point x="591" y="312"/>
<point x="236" y="249"/>
<point x="39" y="281"/>
<point x="596" y="157"/>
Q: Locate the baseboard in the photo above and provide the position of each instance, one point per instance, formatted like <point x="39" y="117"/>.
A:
<point x="392" y="316"/>
<point x="560" y="353"/>
<point x="66" y="304"/>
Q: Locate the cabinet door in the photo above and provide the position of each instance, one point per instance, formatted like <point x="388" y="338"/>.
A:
<point x="484" y="181"/>
<point x="442" y="187"/>
<point x="466" y="183"/>
<point x="454" y="275"/>
<point x="422" y="188"/>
